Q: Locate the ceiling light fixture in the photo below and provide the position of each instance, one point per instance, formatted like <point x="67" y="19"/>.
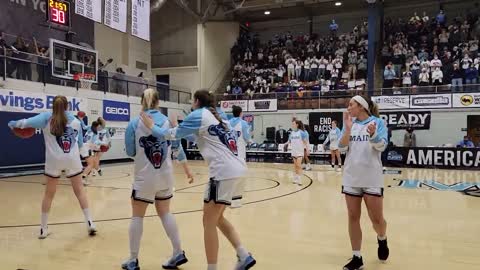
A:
<point x="338" y="4"/>
<point x="267" y="12"/>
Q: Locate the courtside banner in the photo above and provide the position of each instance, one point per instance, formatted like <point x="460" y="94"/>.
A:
<point x="262" y="105"/>
<point x="406" y="119"/>
<point x="434" y="157"/>
<point x="227" y="105"/>
<point x="468" y="100"/>
<point x="320" y="124"/>
<point x="431" y="101"/>
<point x="30" y="102"/>
<point x="392" y="102"/>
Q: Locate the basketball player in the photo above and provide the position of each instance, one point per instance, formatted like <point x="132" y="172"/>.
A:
<point x="153" y="181"/>
<point x="298" y="141"/>
<point x="63" y="138"/>
<point x="306" y="159"/>
<point x="87" y="151"/>
<point x="103" y="139"/>
<point x="218" y="146"/>
<point x="366" y="138"/>
<point x="333" y="137"/>
<point x="243" y="139"/>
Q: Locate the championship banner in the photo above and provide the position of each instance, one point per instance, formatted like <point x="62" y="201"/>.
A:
<point x="405" y="119"/>
<point x="141" y="19"/>
<point x="392" y="102"/>
<point x="321" y="123"/>
<point x="434" y="157"/>
<point x="470" y="100"/>
<point x="227" y="105"/>
<point x="91" y="9"/>
<point x="431" y="101"/>
<point x="262" y="105"/>
<point x="30" y="102"/>
<point x="116" y="14"/>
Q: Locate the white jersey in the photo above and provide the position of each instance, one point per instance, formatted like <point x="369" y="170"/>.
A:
<point x="104" y="137"/>
<point x="363" y="164"/>
<point x="153" y="157"/>
<point x="217" y="145"/>
<point x="61" y="153"/>
<point x="333" y="137"/>
<point x="297" y="141"/>
<point x="243" y="135"/>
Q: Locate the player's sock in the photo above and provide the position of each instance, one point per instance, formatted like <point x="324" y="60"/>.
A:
<point x="382" y="238"/>
<point x="212" y="267"/>
<point x="357" y="253"/>
<point x="44" y="221"/>
<point x="242" y="253"/>
<point x="170" y="226"/>
<point x="135" y="234"/>
<point x="86" y="213"/>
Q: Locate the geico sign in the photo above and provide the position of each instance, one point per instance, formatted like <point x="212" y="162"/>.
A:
<point x="120" y="111"/>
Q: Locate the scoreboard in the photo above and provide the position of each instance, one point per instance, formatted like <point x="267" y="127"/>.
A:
<point x="58" y="13"/>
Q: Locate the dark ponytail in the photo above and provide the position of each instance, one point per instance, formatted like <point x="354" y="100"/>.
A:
<point x="59" y="119"/>
<point x="206" y="100"/>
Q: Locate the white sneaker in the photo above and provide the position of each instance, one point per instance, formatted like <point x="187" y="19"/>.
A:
<point x="236" y="204"/>
<point x="92" y="229"/>
<point x="339" y="169"/>
<point x="43" y="233"/>
<point x="94" y="172"/>
<point x="85" y="181"/>
<point x="308" y="168"/>
<point x="297" y="181"/>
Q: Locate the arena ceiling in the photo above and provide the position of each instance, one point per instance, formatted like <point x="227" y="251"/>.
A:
<point x="254" y="10"/>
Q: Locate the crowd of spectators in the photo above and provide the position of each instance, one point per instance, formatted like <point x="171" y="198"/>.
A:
<point x="297" y="63"/>
<point x="425" y="51"/>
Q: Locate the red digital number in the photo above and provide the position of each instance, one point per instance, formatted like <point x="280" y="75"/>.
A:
<point x="58" y="16"/>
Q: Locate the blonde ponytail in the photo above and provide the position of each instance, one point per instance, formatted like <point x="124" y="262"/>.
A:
<point x="150" y="99"/>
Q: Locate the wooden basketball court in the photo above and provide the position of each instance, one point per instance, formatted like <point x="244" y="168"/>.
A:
<point x="430" y="226"/>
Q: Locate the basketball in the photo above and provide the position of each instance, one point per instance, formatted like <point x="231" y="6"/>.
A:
<point x="81" y="114"/>
<point x="104" y="148"/>
<point x="24" y="133"/>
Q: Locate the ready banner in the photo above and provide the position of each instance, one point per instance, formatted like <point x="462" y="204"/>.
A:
<point x="431" y="101"/>
<point x="141" y="19"/>
<point x="434" y="157"/>
<point x="227" y="105"/>
<point x="91" y="9"/>
<point x="392" y="102"/>
<point x="262" y="105"/>
<point x="406" y="119"/>
<point x="116" y="111"/>
<point x="116" y="14"/>
<point x="468" y="100"/>
<point x="320" y="124"/>
<point x="35" y="102"/>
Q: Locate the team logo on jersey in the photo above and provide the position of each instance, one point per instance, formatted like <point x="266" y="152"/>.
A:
<point x="67" y="140"/>
<point x="101" y="136"/>
<point x="228" y="138"/>
<point x="155" y="150"/>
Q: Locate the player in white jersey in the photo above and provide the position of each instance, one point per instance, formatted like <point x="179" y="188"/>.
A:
<point x="244" y="138"/>
<point x="218" y="145"/>
<point x="298" y="141"/>
<point x="365" y="135"/>
<point x="334" y="137"/>
<point x="63" y="138"/>
<point x="153" y="180"/>
<point x="104" y="140"/>
<point x="87" y="151"/>
<point x="306" y="154"/>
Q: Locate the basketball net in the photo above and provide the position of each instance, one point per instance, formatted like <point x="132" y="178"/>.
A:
<point x="85" y="79"/>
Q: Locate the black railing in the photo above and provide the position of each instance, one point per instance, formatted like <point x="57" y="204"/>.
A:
<point x="30" y="67"/>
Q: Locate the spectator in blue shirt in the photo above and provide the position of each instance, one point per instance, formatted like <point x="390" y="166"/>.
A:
<point x="466" y="143"/>
<point x="388" y="76"/>
<point x="441" y="18"/>
<point x="333" y="28"/>
<point x="237" y="90"/>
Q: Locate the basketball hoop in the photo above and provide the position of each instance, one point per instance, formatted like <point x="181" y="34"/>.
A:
<point x="85" y="79"/>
